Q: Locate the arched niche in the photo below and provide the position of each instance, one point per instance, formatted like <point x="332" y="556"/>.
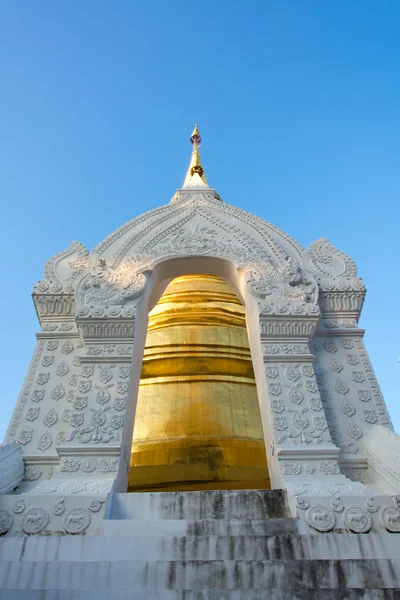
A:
<point x="157" y="281"/>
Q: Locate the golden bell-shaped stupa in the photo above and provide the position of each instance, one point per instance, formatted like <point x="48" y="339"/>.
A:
<point x="197" y="423"/>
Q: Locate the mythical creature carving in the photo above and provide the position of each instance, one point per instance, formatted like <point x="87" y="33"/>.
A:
<point x="286" y="284"/>
<point x="105" y="286"/>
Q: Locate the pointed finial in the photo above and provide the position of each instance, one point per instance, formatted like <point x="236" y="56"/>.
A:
<point x="195" y="163"/>
<point x="195" y="138"/>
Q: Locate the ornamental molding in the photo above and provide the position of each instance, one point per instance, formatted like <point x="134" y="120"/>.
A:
<point x="108" y="328"/>
<point x="329" y="452"/>
<point x="84" y="451"/>
<point x="195" y="227"/>
<point x="275" y="268"/>
<point x="341" y="302"/>
<point x="282" y="327"/>
<point x="53" y="305"/>
<point x="102" y="350"/>
<point x="147" y="229"/>
<point x="74" y="487"/>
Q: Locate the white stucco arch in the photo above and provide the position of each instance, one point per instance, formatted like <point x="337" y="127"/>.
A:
<point x="157" y="281"/>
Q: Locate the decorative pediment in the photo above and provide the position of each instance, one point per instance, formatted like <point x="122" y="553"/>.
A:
<point x="341" y="291"/>
<point x="61" y="271"/>
<point x="333" y="269"/>
<point x="327" y="261"/>
<point x="244" y="231"/>
<point x="53" y="297"/>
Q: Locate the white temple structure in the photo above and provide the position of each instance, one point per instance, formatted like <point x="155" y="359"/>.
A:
<point x="326" y="528"/>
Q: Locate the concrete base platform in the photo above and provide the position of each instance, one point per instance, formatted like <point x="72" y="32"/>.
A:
<point x="201" y="546"/>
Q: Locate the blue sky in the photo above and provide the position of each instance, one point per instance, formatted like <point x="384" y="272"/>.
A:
<point x="298" y="106"/>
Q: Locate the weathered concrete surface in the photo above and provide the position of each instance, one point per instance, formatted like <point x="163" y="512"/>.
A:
<point x="201" y="546"/>
<point x="226" y="504"/>
<point x="198" y="575"/>
<point x="204" y="595"/>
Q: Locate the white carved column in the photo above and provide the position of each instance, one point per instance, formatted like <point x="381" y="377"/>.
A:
<point x="302" y="441"/>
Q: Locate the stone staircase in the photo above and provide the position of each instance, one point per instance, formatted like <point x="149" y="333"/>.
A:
<point x="211" y="545"/>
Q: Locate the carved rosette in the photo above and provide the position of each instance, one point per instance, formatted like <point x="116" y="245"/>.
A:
<point x="35" y="520"/>
<point x="76" y="520"/>
<point x="357" y="519"/>
<point x="321" y="518"/>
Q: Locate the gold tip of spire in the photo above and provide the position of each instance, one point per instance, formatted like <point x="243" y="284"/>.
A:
<point x="195" y="162"/>
<point x="195" y="133"/>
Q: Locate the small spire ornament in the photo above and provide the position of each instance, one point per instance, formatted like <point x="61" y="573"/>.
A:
<point x="195" y="166"/>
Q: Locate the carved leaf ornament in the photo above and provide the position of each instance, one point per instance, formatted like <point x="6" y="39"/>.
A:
<point x="328" y="261"/>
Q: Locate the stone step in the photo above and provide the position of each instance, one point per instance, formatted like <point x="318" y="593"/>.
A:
<point x="181" y="527"/>
<point x="207" y="504"/>
<point x="200" y="575"/>
<point x="311" y="594"/>
<point x="211" y="548"/>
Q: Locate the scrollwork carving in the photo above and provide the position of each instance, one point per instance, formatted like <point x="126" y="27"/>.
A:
<point x="328" y="261"/>
<point x="95" y="505"/>
<point x="19" y="506"/>
<point x="59" y="507"/>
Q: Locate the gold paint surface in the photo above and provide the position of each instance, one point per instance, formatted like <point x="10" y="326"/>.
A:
<point x="197" y="423"/>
